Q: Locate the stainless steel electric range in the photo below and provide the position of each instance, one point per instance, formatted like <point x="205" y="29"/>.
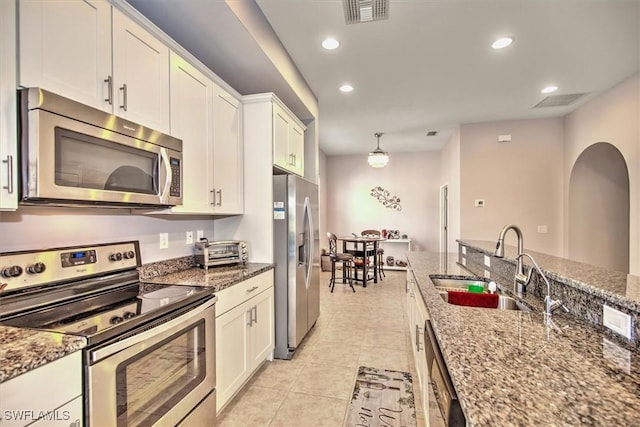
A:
<point x="150" y="355"/>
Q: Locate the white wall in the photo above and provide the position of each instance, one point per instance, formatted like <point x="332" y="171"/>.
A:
<point x="612" y="117"/>
<point x="450" y="161"/>
<point x="45" y="227"/>
<point x="323" y="192"/>
<point x="520" y="181"/>
<point x="413" y="177"/>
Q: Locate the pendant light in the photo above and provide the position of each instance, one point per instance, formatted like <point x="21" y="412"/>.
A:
<point x="378" y="158"/>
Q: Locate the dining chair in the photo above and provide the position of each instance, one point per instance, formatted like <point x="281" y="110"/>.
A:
<point x="335" y="257"/>
<point x="379" y="253"/>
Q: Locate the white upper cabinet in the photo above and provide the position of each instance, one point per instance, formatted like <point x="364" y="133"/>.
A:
<point x="288" y="141"/>
<point x="65" y="47"/>
<point x="89" y="51"/>
<point x="140" y="74"/>
<point x="192" y="122"/>
<point x="8" y="131"/>
<point x="228" y="170"/>
<point x="208" y="121"/>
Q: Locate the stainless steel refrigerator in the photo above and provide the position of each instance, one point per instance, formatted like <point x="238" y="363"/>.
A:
<point x="297" y="260"/>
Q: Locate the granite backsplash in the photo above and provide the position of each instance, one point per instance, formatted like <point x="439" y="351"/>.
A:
<point x="584" y="302"/>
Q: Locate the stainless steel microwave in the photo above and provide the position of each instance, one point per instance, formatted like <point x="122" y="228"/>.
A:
<point x="73" y="154"/>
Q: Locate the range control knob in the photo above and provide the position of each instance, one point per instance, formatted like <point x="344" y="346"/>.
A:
<point x="129" y="255"/>
<point x="115" y="320"/>
<point x="13" y="271"/>
<point x="128" y="314"/>
<point x="115" y="257"/>
<point x="36" y="268"/>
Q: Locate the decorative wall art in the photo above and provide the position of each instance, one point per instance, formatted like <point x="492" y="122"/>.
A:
<point x="385" y="197"/>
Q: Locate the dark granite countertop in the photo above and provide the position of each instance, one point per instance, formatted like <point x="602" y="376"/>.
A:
<point x="510" y="369"/>
<point x="22" y="350"/>
<point x="616" y="286"/>
<point x="217" y="278"/>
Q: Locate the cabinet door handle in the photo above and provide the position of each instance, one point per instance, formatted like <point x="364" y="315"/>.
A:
<point x="109" y="82"/>
<point x="255" y="310"/>
<point x="219" y="197"/>
<point x="250" y="317"/>
<point x="213" y="196"/>
<point x="9" y="162"/>
<point x="124" y="97"/>
<point x="252" y="289"/>
<point x="295" y="159"/>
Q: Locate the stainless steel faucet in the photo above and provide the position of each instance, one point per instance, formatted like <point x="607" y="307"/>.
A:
<point x="550" y="305"/>
<point x="520" y="280"/>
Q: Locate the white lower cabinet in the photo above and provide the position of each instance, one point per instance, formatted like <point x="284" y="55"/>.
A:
<point x="418" y="315"/>
<point x="245" y="333"/>
<point x="50" y="394"/>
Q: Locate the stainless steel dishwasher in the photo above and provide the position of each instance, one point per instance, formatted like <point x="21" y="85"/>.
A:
<point x="442" y="386"/>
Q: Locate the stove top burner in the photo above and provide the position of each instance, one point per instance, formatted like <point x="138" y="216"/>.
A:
<point x="99" y="303"/>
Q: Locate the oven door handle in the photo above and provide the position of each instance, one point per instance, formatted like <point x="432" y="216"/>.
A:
<point x="157" y="333"/>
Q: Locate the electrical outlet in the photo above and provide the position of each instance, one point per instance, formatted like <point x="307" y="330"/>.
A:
<point x="189" y="238"/>
<point x="487" y="260"/>
<point x="487" y="274"/>
<point x="542" y="229"/>
<point x="164" y="240"/>
<point x="464" y="261"/>
<point x="199" y="234"/>
<point x="464" y="250"/>
<point x="617" y="321"/>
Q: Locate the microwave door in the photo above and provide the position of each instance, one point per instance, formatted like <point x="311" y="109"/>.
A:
<point x="93" y="165"/>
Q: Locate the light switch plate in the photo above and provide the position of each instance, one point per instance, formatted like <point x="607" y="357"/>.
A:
<point x="164" y="240"/>
<point x="487" y="274"/>
<point x="464" y="250"/>
<point x="464" y="261"/>
<point x="617" y="321"/>
<point x="487" y="260"/>
<point x="542" y="229"/>
<point x="199" y="234"/>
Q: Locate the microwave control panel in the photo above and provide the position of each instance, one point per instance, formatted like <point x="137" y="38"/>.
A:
<point x="175" y="177"/>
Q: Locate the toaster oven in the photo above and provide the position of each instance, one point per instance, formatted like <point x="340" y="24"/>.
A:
<point x="222" y="252"/>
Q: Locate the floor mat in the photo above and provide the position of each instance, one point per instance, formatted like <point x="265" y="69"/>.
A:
<point x="382" y="398"/>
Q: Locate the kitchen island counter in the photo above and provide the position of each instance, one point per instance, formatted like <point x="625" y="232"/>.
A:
<point x="22" y="350"/>
<point x="510" y="369"/>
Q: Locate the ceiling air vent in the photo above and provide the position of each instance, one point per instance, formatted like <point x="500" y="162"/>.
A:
<point x="432" y="133"/>
<point x="356" y="11"/>
<point x="559" y="100"/>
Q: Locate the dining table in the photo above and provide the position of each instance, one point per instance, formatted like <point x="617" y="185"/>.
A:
<point x="363" y="247"/>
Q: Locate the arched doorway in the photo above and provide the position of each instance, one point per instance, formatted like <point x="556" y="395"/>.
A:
<point x="599" y="208"/>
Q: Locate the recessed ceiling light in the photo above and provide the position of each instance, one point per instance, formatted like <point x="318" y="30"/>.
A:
<point x="502" y="42"/>
<point x="330" y="43"/>
<point x="346" y="88"/>
<point x="549" y="89"/>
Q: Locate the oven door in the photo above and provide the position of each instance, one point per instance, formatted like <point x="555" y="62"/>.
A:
<point x="155" y="377"/>
<point x="65" y="160"/>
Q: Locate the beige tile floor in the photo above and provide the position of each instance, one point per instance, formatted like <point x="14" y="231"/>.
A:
<point x="368" y="328"/>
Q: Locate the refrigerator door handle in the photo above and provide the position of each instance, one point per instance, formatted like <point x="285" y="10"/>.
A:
<point x="308" y="244"/>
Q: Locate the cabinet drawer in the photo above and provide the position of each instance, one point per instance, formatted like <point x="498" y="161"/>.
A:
<point x="237" y="294"/>
<point x="43" y="389"/>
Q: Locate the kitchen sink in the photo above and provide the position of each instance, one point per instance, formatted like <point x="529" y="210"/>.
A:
<point x="461" y="284"/>
<point x="454" y="284"/>
<point x="504" y="302"/>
